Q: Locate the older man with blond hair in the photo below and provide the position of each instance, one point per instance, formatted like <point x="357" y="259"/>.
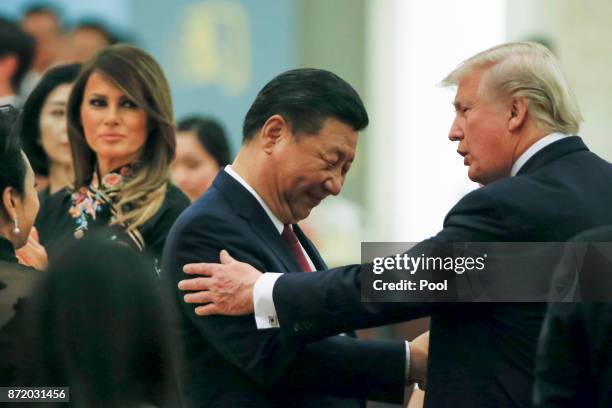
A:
<point x="516" y="124"/>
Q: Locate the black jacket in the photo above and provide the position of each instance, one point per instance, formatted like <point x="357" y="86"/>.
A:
<point x="232" y="364"/>
<point x="480" y="355"/>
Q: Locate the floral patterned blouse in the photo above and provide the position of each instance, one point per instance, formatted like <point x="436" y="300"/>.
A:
<point x="71" y="214"/>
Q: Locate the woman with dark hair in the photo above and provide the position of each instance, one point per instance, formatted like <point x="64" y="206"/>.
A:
<point x="44" y="129"/>
<point x="202" y="150"/>
<point x="99" y="324"/>
<point x="121" y="132"/>
<point x="18" y="209"/>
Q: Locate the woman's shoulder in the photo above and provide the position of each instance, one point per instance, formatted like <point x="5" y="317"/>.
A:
<point x="175" y="201"/>
<point x="175" y="196"/>
<point x="58" y="200"/>
<point x="54" y="213"/>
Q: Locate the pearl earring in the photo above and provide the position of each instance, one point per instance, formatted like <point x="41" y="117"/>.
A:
<point x="16" y="229"/>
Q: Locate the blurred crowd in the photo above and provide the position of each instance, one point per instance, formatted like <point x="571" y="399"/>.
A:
<point x="95" y="171"/>
<point x="63" y="181"/>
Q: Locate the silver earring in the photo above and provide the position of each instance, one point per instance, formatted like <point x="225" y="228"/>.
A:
<point x="16" y="229"/>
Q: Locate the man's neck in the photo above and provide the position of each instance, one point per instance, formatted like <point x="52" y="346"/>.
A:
<point x="249" y="169"/>
<point x="529" y="135"/>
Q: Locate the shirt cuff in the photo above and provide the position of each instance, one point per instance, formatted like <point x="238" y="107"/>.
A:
<point x="407" y="371"/>
<point x="265" y="312"/>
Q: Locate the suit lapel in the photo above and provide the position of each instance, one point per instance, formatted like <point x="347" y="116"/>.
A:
<point x="246" y="206"/>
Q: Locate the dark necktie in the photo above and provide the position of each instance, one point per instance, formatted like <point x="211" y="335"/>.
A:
<point x="296" y="249"/>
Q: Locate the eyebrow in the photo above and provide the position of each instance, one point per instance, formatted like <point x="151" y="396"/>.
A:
<point x="98" y="95"/>
<point x="457" y="105"/>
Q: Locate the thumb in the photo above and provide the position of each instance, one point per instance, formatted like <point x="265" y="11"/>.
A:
<point x="225" y="257"/>
<point x="34" y="234"/>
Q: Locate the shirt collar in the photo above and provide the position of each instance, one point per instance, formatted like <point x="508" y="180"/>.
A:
<point x="533" y="149"/>
<point x="277" y="223"/>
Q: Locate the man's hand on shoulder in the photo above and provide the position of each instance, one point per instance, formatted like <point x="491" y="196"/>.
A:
<point x="225" y="288"/>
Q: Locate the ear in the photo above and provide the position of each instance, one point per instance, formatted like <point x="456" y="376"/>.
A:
<point x="518" y="113"/>
<point x="9" y="202"/>
<point x="273" y="131"/>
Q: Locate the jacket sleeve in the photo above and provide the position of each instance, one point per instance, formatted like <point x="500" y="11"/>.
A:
<point x="340" y="366"/>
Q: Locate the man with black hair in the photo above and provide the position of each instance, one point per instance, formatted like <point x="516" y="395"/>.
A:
<point x="87" y="38"/>
<point x="516" y="124"/>
<point x="300" y="136"/>
<point x="16" y="55"/>
<point x="42" y="21"/>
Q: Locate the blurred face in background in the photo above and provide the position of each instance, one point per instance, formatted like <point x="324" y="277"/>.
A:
<point x="115" y="127"/>
<point x="85" y="42"/>
<point x="45" y="28"/>
<point x="194" y="168"/>
<point x="54" y="126"/>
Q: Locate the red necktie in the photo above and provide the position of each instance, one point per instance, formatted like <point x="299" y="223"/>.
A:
<point x="296" y="249"/>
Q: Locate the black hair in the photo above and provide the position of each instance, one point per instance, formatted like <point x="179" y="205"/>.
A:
<point x="42" y="8"/>
<point x="305" y="98"/>
<point x="99" y="323"/>
<point x="96" y="25"/>
<point x="13" y="40"/>
<point x="30" y="115"/>
<point x="210" y="134"/>
<point x="12" y="166"/>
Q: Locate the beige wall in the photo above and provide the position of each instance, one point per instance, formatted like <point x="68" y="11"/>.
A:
<point x="581" y="35"/>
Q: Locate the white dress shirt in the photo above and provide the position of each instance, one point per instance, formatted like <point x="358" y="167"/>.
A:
<point x="266" y="318"/>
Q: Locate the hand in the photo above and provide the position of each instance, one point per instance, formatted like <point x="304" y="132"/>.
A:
<point x="419" y="352"/>
<point x="228" y="290"/>
<point x="32" y="253"/>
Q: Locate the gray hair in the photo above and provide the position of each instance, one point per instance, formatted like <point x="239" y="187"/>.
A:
<point x="530" y="71"/>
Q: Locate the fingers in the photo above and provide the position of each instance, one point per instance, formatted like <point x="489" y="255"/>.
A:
<point x="225" y="257"/>
<point x="205" y="269"/>
<point x="198" y="297"/>
<point x="207" y="310"/>
<point x="34" y="234"/>
<point x="32" y="242"/>
<point x="195" y="284"/>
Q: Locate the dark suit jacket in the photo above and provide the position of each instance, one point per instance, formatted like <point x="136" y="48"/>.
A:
<point x="480" y="355"/>
<point x="230" y="362"/>
<point x="574" y="360"/>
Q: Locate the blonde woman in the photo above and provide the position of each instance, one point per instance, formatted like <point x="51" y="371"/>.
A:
<point x="121" y="133"/>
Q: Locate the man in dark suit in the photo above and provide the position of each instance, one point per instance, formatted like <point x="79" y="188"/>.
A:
<point x="300" y="136"/>
<point x="515" y="123"/>
<point x="574" y="359"/>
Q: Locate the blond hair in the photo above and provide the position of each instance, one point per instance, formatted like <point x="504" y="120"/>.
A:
<point x="141" y="78"/>
<point x="525" y="70"/>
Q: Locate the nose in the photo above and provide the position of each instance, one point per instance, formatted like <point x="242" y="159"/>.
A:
<point x="111" y="118"/>
<point x="64" y="133"/>
<point x="334" y="184"/>
<point x="456" y="132"/>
